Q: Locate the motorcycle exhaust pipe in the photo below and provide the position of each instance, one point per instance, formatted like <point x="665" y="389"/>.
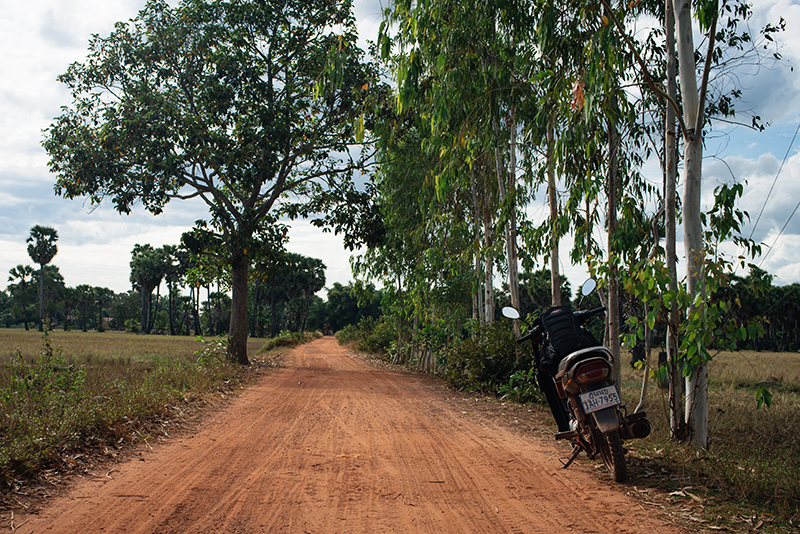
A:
<point x="638" y="429"/>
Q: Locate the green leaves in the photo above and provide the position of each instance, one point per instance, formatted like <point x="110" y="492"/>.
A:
<point x="707" y="11"/>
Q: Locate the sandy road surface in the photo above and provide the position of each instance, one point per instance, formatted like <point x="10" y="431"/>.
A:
<point x="330" y="444"/>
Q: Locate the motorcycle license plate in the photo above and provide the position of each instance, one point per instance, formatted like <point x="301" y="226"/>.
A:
<point x="600" y="398"/>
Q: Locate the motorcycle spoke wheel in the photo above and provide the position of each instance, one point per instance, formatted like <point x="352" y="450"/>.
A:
<point x="610" y="447"/>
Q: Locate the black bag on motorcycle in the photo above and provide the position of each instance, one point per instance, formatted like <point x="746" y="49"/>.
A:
<point x="564" y="337"/>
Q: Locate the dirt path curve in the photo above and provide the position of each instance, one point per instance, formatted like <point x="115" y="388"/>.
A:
<point x="331" y="444"/>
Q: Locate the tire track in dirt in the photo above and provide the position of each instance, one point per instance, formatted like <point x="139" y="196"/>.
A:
<point x="331" y="444"/>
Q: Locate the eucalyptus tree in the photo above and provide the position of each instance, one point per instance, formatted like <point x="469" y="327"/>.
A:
<point x="456" y="64"/>
<point x="695" y="107"/>
<point x="406" y="202"/>
<point x="237" y="103"/>
<point x="42" y="249"/>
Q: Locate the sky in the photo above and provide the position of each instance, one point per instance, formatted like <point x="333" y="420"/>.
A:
<point x="39" y="39"/>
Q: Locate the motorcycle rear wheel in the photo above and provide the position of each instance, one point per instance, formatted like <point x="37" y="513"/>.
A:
<point x="610" y="446"/>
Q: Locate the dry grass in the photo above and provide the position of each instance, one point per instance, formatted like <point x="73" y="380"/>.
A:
<point x="85" y="346"/>
<point x="754" y="455"/>
<point x="780" y="370"/>
<point x="65" y="393"/>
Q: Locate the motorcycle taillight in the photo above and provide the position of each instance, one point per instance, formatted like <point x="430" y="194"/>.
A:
<point x="592" y="372"/>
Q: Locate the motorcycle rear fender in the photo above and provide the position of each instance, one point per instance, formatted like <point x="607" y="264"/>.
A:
<point x="567" y="365"/>
<point x="606" y="419"/>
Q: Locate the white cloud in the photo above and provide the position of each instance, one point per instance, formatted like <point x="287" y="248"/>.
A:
<point x="38" y="40"/>
<point x="782" y="260"/>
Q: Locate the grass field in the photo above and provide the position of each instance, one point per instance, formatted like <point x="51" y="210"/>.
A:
<point x="754" y="454"/>
<point x="87" y="346"/>
<point x="66" y="393"/>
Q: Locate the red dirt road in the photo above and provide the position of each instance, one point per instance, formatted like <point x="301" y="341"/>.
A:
<point x="332" y="444"/>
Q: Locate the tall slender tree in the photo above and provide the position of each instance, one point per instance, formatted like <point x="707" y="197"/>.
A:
<point x="42" y="249"/>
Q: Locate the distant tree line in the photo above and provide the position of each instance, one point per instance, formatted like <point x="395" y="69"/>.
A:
<point x="176" y="292"/>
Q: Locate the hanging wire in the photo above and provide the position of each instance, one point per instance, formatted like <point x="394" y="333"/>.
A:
<point x="785" y="157"/>
<point x="765" y="202"/>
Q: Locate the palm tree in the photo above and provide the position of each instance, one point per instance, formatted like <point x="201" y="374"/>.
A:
<point x="22" y="275"/>
<point x="42" y="248"/>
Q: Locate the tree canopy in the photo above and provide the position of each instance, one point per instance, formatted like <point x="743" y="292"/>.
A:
<point x="243" y="104"/>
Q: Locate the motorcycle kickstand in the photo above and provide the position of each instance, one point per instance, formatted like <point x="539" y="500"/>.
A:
<point x="575" y="452"/>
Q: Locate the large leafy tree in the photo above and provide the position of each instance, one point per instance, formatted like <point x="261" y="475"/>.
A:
<point x="239" y="103"/>
<point x="42" y="249"/>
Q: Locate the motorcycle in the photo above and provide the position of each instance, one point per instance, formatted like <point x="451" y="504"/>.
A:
<point x="574" y="371"/>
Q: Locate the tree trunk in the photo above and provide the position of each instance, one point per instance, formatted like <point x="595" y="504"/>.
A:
<point x="172" y="299"/>
<point x="488" y="232"/>
<point x="209" y="310"/>
<point x="676" y="415"/>
<point x="478" y="310"/>
<point x="237" y="346"/>
<point x="145" y="309"/>
<point x="506" y="189"/>
<point x="613" y="270"/>
<point x="41" y="297"/>
<point x="511" y="228"/>
<point x="697" y="382"/>
<point x="152" y="320"/>
<point x="555" y="278"/>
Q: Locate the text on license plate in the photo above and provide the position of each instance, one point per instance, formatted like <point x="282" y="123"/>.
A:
<point x="600" y="398"/>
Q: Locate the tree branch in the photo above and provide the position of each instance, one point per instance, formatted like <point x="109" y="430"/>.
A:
<point x="645" y="72"/>
<point x="706" y="70"/>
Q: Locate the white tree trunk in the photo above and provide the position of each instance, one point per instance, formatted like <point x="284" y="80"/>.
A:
<point x="511" y="226"/>
<point x="478" y="310"/>
<point x="697" y="383"/>
<point x="488" y="281"/>
<point x="676" y="411"/>
<point x="555" y="278"/>
<point x="612" y="313"/>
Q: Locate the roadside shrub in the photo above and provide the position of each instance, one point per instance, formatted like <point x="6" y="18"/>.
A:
<point x="376" y="335"/>
<point x="373" y="335"/>
<point x="484" y="360"/>
<point x="348" y="334"/>
<point x="521" y="387"/>
<point x="288" y="339"/>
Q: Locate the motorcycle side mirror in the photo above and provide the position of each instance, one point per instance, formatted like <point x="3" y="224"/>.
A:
<point x="510" y="312"/>
<point x="588" y="286"/>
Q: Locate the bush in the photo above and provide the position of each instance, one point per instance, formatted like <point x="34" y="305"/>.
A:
<point x="288" y="339"/>
<point x="348" y="334"/>
<point x="377" y="335"/>
<point x="372" y="335"/>
<point x="486" y="359"/>
<point x="522" y="387"/>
